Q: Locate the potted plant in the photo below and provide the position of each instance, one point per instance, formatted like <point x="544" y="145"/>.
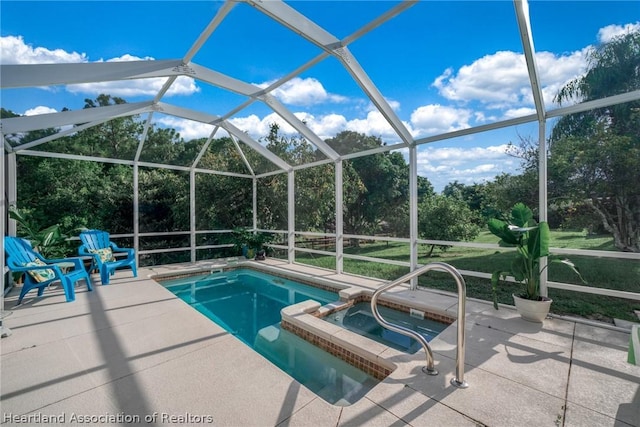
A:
<point x="250" y="244"/>
<point x="531" y="240"/>
<point x="50" y="242"/>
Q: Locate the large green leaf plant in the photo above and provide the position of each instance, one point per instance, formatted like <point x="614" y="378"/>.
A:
<point x="531" y="240"/>
<point x="50" y="241"/>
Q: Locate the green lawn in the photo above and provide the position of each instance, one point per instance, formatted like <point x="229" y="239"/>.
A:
<point x="598" y="272"/>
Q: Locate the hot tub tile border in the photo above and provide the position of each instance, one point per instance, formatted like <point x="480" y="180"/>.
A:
<point x="366" y="365"/>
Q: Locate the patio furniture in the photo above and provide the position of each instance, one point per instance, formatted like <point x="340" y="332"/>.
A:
<point x="41" y="272"/>
<point x="97" y="244"/>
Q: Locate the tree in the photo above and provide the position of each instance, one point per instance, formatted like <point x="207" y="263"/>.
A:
<point x="375" y="186"/>
<point x="446" y="218"/>
<point x="117" y="138"/>
<point x="398" y="223"/>
<point x="506" y="190"/>
<point x="595" y="155"/>
<point x="163" y="146"/>
<point x="164" y="200"/>
<point x="475" y="196"/>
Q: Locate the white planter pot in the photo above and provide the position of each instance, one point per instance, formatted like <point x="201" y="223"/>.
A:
<point x="533" y="311"/>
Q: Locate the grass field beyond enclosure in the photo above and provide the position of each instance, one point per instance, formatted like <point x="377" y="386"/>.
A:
<point x="597" y="272"/>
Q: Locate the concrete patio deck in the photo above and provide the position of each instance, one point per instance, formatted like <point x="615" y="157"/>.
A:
<point x="131" y="350"/>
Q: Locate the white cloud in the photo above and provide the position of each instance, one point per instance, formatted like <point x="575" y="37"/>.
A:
<point x="431" y="119"/>
<point x="493" y="79"/>
<point x="303" y="92"/>
<point x="557" y="70"/>
<point x="13" y="50"/>
<point x="467" y="165"/>
<point x="326" y="126"/>
<point x="258" y="128"/>
<point x="375" y="124"/>
<point x="188" y="129"/>
<point x="456" y="155"/>
<point x="518" y="112"/>
<point x="610" y="32"/>
<point x="434" y="119"/>
<point x="370" y="106"/>
<point x="40" y="109"/>
<point x="126" y="58"/>
<point x="395" y="105"/>
<point x="501" y="81"/>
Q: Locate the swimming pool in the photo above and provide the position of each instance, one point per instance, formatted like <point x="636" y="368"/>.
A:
<point x="247" y="303"/>
<point x="359" y="319"/>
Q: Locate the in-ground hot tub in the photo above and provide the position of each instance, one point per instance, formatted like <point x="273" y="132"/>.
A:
<point x="358" y="318"/>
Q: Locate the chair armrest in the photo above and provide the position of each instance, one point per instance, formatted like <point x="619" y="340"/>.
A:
<point x="83" y="251"/>
<point x="14" y="267"/>
<point x="115" y="248"/>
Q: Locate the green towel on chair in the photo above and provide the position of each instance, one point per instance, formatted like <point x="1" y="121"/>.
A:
<point x="634" y="346"/>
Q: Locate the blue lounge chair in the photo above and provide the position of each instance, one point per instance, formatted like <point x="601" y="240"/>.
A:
<point x="97" y="244"/>
<point x="41" y="272"/>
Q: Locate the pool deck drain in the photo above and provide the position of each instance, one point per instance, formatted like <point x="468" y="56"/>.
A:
<point x="133" y="351"/>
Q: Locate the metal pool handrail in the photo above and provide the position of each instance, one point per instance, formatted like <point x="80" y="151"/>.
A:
<point x="458" y="381"/>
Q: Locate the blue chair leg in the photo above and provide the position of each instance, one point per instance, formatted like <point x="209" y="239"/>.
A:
<point x="104" y="275"/>
<point x="24" y="291"/>
<point x="69" y="291"/>
<point x="87" y="280"/>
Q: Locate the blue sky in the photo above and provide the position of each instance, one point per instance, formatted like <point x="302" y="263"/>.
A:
<point x="442" y="65"/>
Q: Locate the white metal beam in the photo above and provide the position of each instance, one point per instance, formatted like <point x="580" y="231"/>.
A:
<point x="143" y="138"/>
<point x="204" y="148"/>
<point x="308" y="29"/>
<point x="204" y="36"/>
<point x="4" y="331"/>
<point x="197" y="45"/>
<point x="58" y="135"/>
<point x="241" y="154"/>
<point x="339" y="212"/>
<point x="226" y="82"/>
<point x="596" y="103"/>
<point x="36" y="75"/>
<point x="68" y="118"/>
<point x="413" y="212"/>
<point x="291" y="216"/>
<point x="128" y="163"/>
<point x="297" y="124"/>
<point x="524" y="25"/>
<point x="186" y="113"/>
<point x="136" y="211"/>
<point x="242" y="136"/>
<point x="192" y="214"/>
<point x="542" y="198"/>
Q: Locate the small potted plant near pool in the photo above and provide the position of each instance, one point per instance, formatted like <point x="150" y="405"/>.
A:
<point x="251" y="244"/>
<point x="531" y="240"/>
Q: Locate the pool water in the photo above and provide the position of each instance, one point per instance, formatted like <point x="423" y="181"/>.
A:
<point x="359" y="319"/>
<point x="247" y="304"/>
